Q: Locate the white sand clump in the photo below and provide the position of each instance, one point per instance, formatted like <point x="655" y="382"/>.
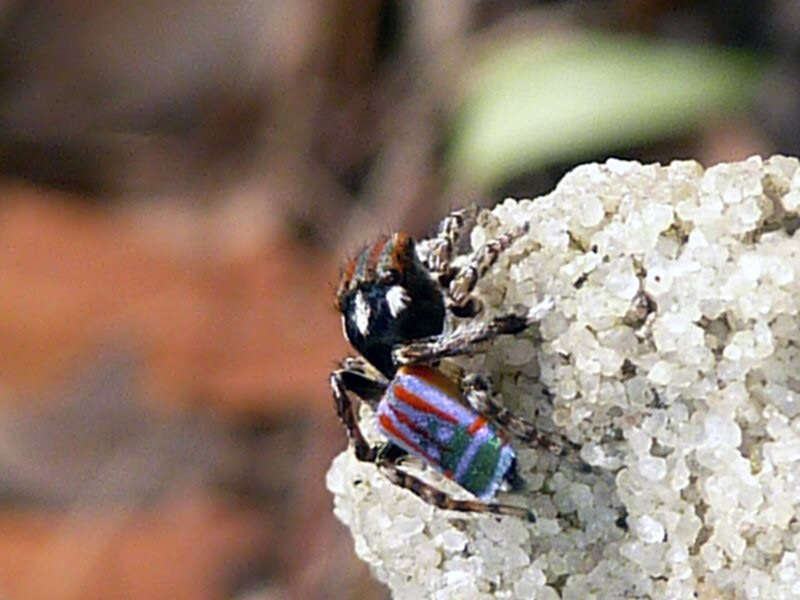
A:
<point x="671" y="357"/>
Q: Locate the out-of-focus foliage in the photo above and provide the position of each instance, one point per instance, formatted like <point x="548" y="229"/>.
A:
<point x="534" y="102"/>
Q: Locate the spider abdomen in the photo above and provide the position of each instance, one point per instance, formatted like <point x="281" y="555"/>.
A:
<point x="422" y="412"/>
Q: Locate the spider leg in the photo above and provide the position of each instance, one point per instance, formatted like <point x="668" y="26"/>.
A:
<point x="362" y="379"/>
<point x="353" y="377"/>
<point x="477" y="392"/>
<point x="451" y="230"/>
<point x="388" y="464"/>
<point x="464" y="282"/>
<point x="466" y="340"/>
<point x="458" y="343"/>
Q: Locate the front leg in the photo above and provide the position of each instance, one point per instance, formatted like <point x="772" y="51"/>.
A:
<point x="464" y="282"/>
<point x="467" y="340"/>
<point x="439" y="250"/>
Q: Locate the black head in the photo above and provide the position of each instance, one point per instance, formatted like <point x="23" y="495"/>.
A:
<point x="387" y="298"/>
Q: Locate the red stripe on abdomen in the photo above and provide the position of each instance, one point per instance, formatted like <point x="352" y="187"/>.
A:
<point x="421" y="405"/>
<point x="388" y="426"/>
<point x="476" y="425"/>
<point x="432" y="377"/>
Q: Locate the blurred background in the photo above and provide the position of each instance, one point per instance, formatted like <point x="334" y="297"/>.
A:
<point x="179" y="181"/>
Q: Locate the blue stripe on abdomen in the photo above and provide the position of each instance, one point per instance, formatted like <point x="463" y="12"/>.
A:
<point x="452" y="437"/>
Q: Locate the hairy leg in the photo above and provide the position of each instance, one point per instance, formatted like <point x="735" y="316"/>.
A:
<point x="451" y="230"/>
<point x="346" y="380"/>
<point x="390" y="467"/>
<point x="467" y="340"/>
<point x="362" y="379"/>
<point x="469" y="275"/>
<point x="477" y="392"/>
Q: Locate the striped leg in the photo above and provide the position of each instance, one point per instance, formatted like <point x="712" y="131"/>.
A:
<point x="466" y="340"/>
<point x="364" y="380"/>
<point x="468" y="276"/>
<point x="458" y="343"/>
<point x="390" y="467"/>
<point x="353" y="378"/>
<point x="444" y="245"/>
<point x="478" y="393"/>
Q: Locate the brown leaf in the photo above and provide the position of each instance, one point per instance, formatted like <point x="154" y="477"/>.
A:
<point x="184" y="549"/>
<point x="248" y="330"/>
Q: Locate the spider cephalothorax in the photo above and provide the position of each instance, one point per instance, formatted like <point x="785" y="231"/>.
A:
<point x="388" y="298"/>
<point x="394" y="302"/>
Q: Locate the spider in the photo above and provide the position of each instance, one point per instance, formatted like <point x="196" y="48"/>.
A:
<point x="394" y="297"/>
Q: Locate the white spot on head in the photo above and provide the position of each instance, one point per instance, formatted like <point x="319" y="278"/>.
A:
<point x="397" y="297"/>
<point x="362" y="312"/>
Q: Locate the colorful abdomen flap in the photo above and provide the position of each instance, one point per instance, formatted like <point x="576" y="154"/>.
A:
<point x="422" y="413"/>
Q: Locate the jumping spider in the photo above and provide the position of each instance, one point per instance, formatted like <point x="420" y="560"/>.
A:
<point x="393" y="297"/>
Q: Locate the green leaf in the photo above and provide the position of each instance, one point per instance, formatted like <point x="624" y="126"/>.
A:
<point x="532" y="103"/>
